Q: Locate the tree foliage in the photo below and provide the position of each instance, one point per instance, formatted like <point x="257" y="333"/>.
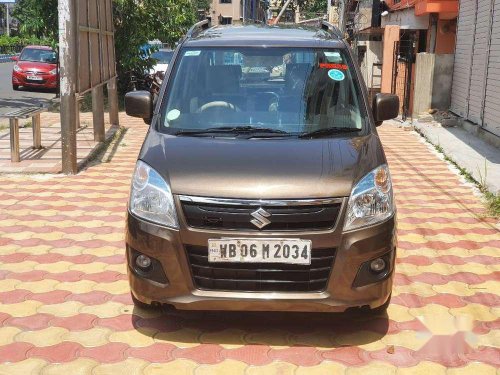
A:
<point x="168" y="20"/>
<point x="312" y="8"/>
<point x="203" y="5"/>
<point x="308" y="8"/>
<point x="37" y="18"/>
<point x="139" y="21"/>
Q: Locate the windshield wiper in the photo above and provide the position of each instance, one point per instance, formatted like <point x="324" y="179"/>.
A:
<point x="231" y="130"/>
<point x="328" y="131"/>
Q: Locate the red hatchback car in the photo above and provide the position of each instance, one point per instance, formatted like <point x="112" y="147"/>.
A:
<point x="36" y="67"/>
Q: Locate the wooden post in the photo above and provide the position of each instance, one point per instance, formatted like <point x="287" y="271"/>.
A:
<point x="37" y="131"/>
<point x="113" y="103"/>
<point x="68" y="33"/>
<point x="98" y="113"/>
<point x="14" y="140"/>
<point x="77" y="111"/>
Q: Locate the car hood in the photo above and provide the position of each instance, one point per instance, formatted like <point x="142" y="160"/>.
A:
<point x="36" y="67"/>
<point x="262" y="168"/>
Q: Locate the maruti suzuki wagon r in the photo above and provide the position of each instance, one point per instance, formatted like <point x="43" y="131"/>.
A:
<point x="262" y="183"/>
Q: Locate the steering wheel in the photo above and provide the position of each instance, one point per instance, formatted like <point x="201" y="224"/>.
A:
<point x="218" y="105"/>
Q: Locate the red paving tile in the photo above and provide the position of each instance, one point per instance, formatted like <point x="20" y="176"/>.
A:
<point x="15" y="352"/>
<point x="157" y="353"/>
<point x="109" y="353"/>
<point x="60" y="353"/>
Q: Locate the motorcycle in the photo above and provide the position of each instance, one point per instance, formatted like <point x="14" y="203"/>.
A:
<point x="148" y="82"/>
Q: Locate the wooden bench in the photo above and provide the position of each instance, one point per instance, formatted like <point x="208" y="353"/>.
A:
<point x="24" y="113"/>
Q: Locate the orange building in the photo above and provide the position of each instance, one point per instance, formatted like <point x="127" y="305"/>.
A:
<point x="411" y="27"/>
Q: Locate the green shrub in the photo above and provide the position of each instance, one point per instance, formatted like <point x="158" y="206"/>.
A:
<point x="10" y="44"/>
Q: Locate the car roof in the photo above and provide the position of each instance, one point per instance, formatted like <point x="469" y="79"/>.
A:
<point x="265" y="35"/>
<point x="40" y="47"/>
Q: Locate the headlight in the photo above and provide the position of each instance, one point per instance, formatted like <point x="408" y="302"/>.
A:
<point x="371" y="200"/>
<point x="53" y="72"/>
<point x="17" y="69"/>
<point x="151" y="198"/>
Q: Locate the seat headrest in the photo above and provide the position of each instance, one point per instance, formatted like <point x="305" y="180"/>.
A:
<point x="224" y="78"/>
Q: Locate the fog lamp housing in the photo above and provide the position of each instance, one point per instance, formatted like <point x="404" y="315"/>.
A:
<point x="146" y="266"/>
<point x="143" y="261"/>
<point x="375" y="270"/>
<point x="378" y="265"/>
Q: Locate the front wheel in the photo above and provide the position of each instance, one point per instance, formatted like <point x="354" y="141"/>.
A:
<point x="15" y="87"/>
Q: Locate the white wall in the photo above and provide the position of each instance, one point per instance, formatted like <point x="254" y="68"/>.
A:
<point x="406" y="19"/>
<point x="373" y="55"/>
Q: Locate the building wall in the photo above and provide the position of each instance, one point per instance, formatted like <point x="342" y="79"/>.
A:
<point x="391" y="35"/>
<point x="443" y="78"/>
<point x="406" y="19"/>
<point x="372" y="56"/>
<point x="446" y="36"/>
<point x="232" y="10"/>
<point x="403" y="4"/>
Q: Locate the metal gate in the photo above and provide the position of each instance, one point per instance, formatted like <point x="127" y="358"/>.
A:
<point x="404" y="58"/>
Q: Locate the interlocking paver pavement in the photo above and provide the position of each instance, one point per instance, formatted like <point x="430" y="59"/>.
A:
<point x="65" y="305"/>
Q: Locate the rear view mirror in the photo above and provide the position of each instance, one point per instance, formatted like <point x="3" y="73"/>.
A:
<point x="385" y="107"/>
<point x="139" y="104"/>
<point x="14" y="58"/>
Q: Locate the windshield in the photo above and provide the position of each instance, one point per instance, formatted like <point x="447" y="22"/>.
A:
<point x="294" y="90"/>
<point x="38" y="55"/>
<point x="163" y="57"/>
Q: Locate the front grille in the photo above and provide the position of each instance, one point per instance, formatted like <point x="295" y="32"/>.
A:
<point x="219" y="214"/>
<point x="36" y="81"/>
<point x="260" y="277"/>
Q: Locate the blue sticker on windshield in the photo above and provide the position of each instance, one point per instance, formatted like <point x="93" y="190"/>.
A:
<point x="336" y="75"/>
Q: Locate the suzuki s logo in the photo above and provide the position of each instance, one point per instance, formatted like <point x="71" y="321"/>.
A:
<point x="260" y="218"/>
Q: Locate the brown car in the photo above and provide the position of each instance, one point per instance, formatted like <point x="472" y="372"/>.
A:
<point x="262" y="183"/>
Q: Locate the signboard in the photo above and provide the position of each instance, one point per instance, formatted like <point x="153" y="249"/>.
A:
<point x="96" y="52"/>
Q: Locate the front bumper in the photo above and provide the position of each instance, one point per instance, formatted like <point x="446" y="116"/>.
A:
<point x="353" y="250"/>
<point x="48" y="81"/>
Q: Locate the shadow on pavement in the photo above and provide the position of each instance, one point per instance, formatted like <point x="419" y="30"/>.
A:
<point x="9" y="104"/>
<point x="328" y="330"/>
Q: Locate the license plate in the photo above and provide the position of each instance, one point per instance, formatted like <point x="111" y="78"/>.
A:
<point x="242" y="250"/>
<point x="34" y="78"/>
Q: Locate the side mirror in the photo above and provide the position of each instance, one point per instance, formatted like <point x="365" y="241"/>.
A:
<point x="14" y="58"/>
<point x="385" y="107"/>
<point x="139" y="104"/>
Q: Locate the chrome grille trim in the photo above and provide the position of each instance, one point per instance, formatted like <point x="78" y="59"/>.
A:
<point x="261" y="202"/>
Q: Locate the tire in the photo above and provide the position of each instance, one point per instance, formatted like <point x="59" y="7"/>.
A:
<point x="141" y="305"/>
<point x="15" y="87"/>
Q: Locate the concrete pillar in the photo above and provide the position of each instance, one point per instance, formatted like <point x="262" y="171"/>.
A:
<point x="391" y="35"/>
<point x="424" y="78"/>
<point x="68" y="32"/>
<point x="433" y="23"/>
